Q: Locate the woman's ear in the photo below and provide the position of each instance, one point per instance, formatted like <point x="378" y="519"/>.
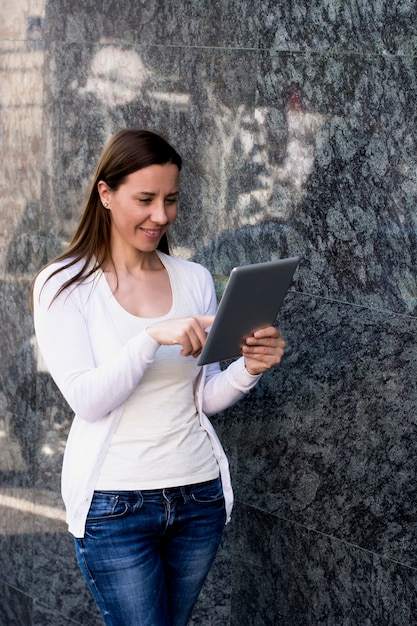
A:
<point x="104" y="193"/>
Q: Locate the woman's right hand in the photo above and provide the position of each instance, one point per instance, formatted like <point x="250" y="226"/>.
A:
<point x="188" y="332"/>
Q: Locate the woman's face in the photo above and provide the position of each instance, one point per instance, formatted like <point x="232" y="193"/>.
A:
<point x="143" y="207"/>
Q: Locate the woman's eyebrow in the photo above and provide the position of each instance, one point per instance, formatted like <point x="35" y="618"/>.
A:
<point x="152" y="193"/>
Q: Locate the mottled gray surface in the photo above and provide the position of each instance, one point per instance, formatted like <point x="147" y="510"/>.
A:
<point x="376" y="27"/>
<point x="309" y="578"/>
<point x="296" y="121"/>
<point x="330" y="440"/>
<point x="15" y="606"/>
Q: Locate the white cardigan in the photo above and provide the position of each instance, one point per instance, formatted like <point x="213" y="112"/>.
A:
<point x="96" y="372"/>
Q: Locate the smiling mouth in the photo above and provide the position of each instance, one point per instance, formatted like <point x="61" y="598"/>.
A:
<point x="151" y="233"/>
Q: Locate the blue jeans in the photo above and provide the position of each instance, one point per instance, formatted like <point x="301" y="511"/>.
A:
<point x="145" y="554"/>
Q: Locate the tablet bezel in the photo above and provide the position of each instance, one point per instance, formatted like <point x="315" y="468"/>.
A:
<point x="251" y="300"/>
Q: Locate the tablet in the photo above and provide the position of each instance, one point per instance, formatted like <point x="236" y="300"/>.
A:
<point x="251" y="300"/>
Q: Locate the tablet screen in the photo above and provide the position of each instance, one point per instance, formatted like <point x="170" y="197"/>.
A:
<point x="251" y="300"/>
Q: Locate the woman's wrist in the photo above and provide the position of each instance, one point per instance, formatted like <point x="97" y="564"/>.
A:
<point x="250" y="370"/>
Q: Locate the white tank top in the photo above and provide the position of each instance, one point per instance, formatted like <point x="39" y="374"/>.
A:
<point x="159" y="442"/>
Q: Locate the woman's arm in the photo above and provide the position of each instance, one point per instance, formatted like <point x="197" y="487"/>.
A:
<point x="262" y="350"/>
<point x="61" y="328"/>
<point x="224" y="388"/>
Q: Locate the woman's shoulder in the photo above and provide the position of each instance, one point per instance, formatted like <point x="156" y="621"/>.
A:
<point x="191" y="268"/>
<point x="61" y="270"/>
<point x="62" y="276"/>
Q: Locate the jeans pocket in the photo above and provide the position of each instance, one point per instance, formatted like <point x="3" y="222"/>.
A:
<point x="105" y="506"/>
<point x="209" y="493"/>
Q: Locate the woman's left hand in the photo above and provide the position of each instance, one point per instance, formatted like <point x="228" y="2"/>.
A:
<point x="263" y="349"/>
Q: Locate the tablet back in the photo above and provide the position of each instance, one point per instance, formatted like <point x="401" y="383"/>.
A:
<point x="251" y="300"/>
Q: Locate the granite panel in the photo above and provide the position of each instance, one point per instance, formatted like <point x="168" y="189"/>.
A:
<point x="35" y="417"/>
<point x="288" y="575"/>
<point x="44" y="615"/>
<point x="335" y="143"/>
<point x="15" y="606"/>
<point x="383" y="27"/>
<point x="31" y="245"/>
<point x="21" y="78"/>
<point x="327" y="439"/>
<point x="163" y="23"/>
<point x="15" y="327"/>
<point x="16" y="529"/>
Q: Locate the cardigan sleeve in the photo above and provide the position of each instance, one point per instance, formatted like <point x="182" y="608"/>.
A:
<point x="223" y="388"/>
<point x="61" y="329"/>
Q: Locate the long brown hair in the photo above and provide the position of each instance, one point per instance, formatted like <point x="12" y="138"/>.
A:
<point x="126" y="152"/>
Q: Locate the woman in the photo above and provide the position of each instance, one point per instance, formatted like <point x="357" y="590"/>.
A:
<point x="119" y="322"/>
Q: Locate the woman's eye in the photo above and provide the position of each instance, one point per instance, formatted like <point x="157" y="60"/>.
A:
<point x="150" y="200"/>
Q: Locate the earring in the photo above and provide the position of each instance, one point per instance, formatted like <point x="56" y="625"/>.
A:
<point x="106" y="205"/>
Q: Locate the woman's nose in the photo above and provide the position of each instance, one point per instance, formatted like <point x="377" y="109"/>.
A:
<point x="159" y="214"/>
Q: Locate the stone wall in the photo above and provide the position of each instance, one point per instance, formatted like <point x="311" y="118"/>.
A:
<point x="296" y="121"/>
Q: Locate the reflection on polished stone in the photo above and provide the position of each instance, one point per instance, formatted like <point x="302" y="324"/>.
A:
<point x="333" y="186"/>
<point x="179" y="98"/>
